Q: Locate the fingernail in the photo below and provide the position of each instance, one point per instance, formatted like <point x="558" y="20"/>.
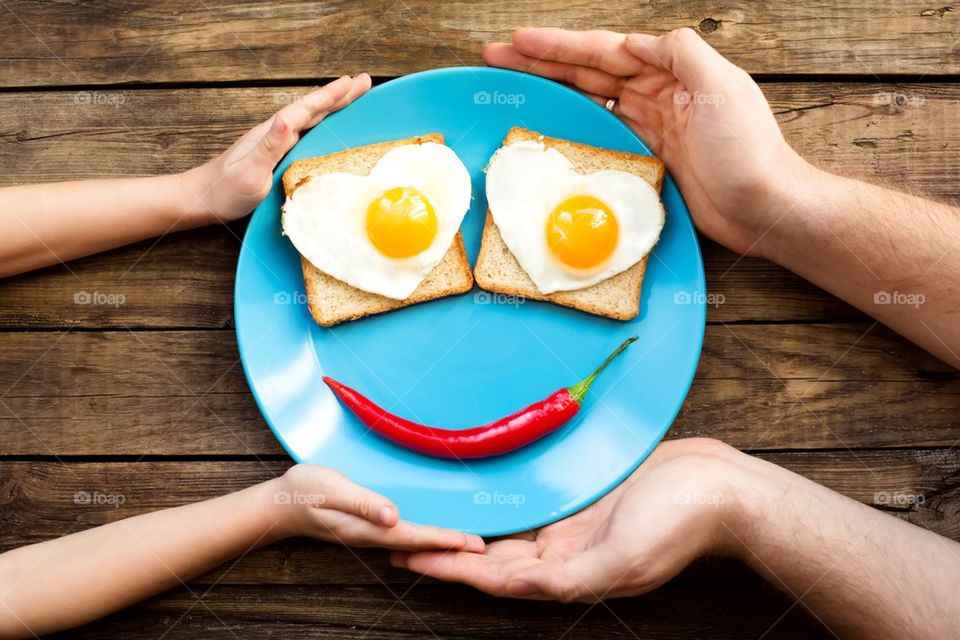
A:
<point x="521" y="588"/>
<point x="385" y="515"/>
<point x="475" y="543"/>
<point x="398" y="560"/>
<point x="278" y="126"/>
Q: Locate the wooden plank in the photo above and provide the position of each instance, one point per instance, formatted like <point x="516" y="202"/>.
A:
<point x="183" y="392"/>
<point x="897" y="132"/>
<point x="860" y="130"/>
<point x="452" y="611"/>
<point x="178" y="41"/>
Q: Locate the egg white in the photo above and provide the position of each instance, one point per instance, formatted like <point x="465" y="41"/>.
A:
<point x="325" y="218"/>
<point x="526" y="181"/>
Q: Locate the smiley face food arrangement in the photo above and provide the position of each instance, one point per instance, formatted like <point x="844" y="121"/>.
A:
<point x="377" y="228"/>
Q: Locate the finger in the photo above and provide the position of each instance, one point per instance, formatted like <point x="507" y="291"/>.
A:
<point x="407" y="536"/>
<point x="617" y="108"/>
<point x="284" y="127"/>
<point x="529" y="534"/>
<point x="343" y="495"/>
<point x="684" y="54"/>
<point x="583" y="78"/>
<point x="361" y="84"/>
<point x="603" y="50"/>
<point x="586" y="577"/>
<point x="511" y="548"/>
<point x="352" y="530"/>
<point x="306" y="109"/>
<point x="480" y="571"/>
<point x="399" y="558"/>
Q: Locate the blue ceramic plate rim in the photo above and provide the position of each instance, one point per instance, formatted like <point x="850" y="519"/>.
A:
<point x="699" y="305"/>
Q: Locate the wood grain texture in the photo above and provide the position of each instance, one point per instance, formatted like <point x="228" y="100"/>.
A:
<point x="184" y="393"/>
<point x="178" y="40"/>
<point x="435" y="610"/>
<point x="902" y="134"/>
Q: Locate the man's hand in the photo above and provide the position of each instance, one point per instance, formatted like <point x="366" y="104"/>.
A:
<point x="673" y="509"/>
<point x="321" y="503"/>
<point x="862" y="572"/>
<point x="232" y="184"/>
<point x="889" y="254"/>
<point x="703" y="116"/>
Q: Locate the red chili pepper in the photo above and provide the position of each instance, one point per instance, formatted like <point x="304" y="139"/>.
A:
<point x="496" y="438"/>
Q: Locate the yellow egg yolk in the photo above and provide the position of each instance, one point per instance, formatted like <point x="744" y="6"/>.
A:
<point x="401" y="222"/>
<point x="582" y="232"/>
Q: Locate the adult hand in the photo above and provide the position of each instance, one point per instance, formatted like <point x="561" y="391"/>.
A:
<point x="703" y="116"/>
<point x="321" y="503"/>
<point x="232" y="184"/>
<point x="675" y="507"/>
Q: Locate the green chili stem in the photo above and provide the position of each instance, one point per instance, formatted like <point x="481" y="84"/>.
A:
<point x="579" y="390"/>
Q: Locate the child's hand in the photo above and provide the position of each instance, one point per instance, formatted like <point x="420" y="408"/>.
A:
<point x="232" y="184"/>
<point x="319" y="502"/>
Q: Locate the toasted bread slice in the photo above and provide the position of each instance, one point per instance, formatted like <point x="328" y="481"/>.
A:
<point x="332" y="301"/>
<point x="617" y="297"/>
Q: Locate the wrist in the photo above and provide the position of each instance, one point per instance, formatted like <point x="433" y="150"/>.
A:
<point x="758" y="503"/>
<point x="193" y="187"/>
<point x="777" y="199"/>
<point x="272" y="500"/>
<point x="714" y="478"/>
<point x="792" y="206"/>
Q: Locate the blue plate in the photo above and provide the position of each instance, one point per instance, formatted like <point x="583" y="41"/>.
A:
<point x="469" y="359"/>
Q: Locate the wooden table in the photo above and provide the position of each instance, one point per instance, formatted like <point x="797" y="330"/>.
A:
<point x="146" y="401"/>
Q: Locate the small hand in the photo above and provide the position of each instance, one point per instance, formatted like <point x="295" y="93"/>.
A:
<point x="321" y="503"/>
<point x="232" y="184"/>
<point x="678" y="505"/>
<point x="704" y="117"/>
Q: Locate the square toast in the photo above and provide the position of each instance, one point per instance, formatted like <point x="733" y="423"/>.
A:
<point x="617" y="297"/>
<point x="332" y="301"/>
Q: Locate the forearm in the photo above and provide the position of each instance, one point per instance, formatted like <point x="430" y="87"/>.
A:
<point x="68" y="581"/>
<point x="862" y="572"/>
<point x="890" y="254"/>
<point x="49" y="223"/>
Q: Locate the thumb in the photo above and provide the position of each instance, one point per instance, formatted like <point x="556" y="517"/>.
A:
<point x="275" y="142"/>
<point x="684" y="54"/>
<point x="586" y="577"/>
